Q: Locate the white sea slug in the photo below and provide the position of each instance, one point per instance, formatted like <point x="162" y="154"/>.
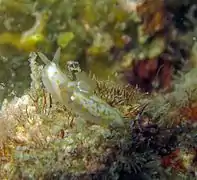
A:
<point x="77" y="95"/>
<point x="54" y="80"/>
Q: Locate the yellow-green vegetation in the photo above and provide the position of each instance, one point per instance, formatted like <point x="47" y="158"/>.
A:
<point x="86" y="30"/>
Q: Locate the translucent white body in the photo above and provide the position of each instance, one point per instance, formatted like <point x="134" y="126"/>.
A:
<point x="77" y="95"/>
<point x="94" y="109"/>
<point x="54" y="80"/>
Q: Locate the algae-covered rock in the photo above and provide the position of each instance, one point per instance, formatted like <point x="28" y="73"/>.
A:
<point x="41" y="136"/>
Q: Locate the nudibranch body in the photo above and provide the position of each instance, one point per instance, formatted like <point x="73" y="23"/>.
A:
<point x="93" y="109"/>
<point x="87" y="104"/>
<point x="77" y="93"/>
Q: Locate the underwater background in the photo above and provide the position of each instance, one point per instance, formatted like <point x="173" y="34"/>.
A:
<point x="98" y="89"/>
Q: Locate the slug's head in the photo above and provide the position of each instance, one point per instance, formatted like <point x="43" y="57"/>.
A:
<point x="55" y="58"/>
<point x="54" y="80"/>
<point x="51" y="70"/>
